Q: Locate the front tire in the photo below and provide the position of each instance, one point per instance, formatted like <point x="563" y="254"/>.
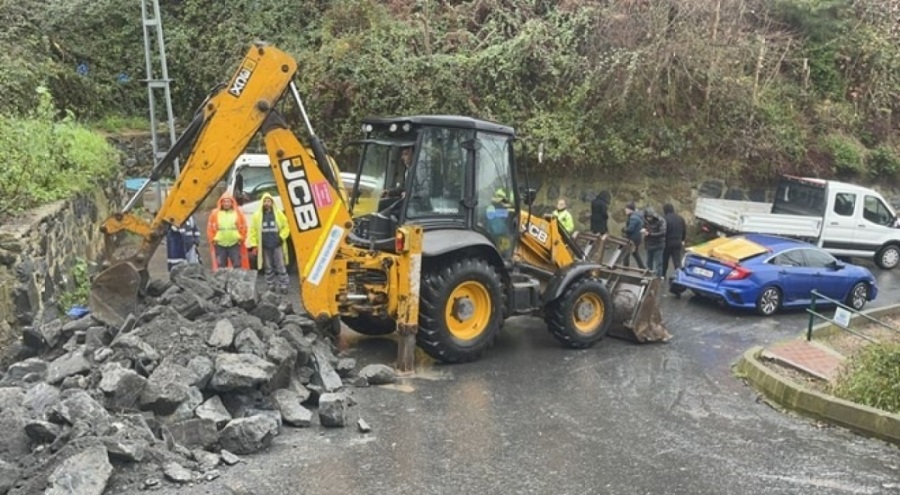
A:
<point x="460" y="312"/>
<point x="367" y="324"/>
<point x="888" y="257"/>
<point x="581" y="316"/>
<point x="858" y="296"/>
<point x="769" y="301"/>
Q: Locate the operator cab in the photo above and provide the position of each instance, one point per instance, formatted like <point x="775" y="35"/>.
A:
<point x="440" y="172"/>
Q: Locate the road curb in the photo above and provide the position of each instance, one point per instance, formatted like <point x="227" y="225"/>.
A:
<point x="862" y="419"/>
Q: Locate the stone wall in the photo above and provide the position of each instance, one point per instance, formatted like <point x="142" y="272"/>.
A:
<point x="38" y="251"/>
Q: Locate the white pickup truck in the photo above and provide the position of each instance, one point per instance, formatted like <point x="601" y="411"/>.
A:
<point x="844" y="219"/>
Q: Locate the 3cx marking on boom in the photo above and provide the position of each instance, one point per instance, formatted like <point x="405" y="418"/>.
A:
<point x="242" y="78"/>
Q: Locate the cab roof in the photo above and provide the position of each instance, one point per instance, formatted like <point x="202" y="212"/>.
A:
<point x="457" y="121"/>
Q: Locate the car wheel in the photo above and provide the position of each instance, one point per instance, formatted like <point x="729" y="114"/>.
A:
<point x="859" y="296"/>
<point x="769" y="301"/>
<point x="888" y="257"/>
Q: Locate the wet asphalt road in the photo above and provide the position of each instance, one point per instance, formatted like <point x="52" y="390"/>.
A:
<point x="620" y="418"/>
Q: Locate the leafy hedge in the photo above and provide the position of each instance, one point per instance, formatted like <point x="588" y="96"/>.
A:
<point x="873" y="378"/>
<point x="749" y="88"/>
<point x="46" y="159"/>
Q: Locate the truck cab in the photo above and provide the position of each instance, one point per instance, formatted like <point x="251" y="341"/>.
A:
<point x="844" y="219"/>
<point x="856" y="221"/>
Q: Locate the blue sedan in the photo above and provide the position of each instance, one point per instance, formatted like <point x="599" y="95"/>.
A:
<point x="767" y="273"/>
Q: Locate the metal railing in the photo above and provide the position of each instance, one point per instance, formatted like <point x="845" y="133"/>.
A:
<point x="813" y="314"/>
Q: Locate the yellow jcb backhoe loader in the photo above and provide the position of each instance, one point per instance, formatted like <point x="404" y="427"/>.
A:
<point x="446" y="254"/>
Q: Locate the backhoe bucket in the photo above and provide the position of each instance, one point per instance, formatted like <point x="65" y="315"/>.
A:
<point x="633" y="290"/>
<point x="114" y="293"/>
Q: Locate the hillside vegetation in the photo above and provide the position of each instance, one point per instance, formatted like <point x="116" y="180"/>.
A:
<point x="741" y="88"/>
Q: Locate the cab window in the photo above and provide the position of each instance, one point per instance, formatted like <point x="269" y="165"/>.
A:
<point x="844" y="204"/>
<point x="875" y="211"/>
<point x="436" y="185"/>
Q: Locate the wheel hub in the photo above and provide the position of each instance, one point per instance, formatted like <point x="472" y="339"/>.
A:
<point x="463" y="308"/>
<point x="584" y="311"/>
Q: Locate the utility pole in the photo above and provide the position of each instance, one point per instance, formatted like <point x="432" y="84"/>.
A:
<point x="157" y="81"/>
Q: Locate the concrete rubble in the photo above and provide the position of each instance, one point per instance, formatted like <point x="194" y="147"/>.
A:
<point x="207" y="371"/>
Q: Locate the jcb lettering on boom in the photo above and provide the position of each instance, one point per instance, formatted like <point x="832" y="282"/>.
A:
<point x="541" y="235"/>
<point x="300" y="194"/>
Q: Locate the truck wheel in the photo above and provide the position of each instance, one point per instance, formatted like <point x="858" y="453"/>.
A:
<point x="460" y="310"/>
<point x="858" y="296"/>
<point x="769" y="301"/>
<point x="888" y="257"/>
<point x="582" y="314"/>
<point x="367" y="324"/>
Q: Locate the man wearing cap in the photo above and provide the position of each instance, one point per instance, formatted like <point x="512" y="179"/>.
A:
<point x="632" y="231"/>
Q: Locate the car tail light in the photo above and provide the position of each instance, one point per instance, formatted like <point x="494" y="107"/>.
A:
<point x="400" y="242"/>
<point x="738" y="273"/>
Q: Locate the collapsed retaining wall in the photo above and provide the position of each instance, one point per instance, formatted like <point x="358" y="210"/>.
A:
<point x="38" y="251"/>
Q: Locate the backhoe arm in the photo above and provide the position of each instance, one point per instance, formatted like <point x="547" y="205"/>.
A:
<point x="224" y="127"/>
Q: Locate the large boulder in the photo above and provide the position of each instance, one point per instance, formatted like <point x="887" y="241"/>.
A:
<point x="85" y="473"/>
<point x="240" y="372"/>
<point x="248" y="435"/>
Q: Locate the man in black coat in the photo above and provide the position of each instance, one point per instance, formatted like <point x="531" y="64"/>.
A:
<point x="676" y="232"/>
<point x="600" y="213"/>
<point x="633" y="231"/>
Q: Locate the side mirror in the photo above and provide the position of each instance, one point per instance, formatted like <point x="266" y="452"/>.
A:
<point x="837" y="265"/>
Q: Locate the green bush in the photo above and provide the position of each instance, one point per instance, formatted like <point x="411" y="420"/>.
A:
<point x="883" y="163"/>
<point x="847" y="153"/>
<point x="79" y="289"/>
<point x="46" y="159"/>
<point x="873" y="378"/>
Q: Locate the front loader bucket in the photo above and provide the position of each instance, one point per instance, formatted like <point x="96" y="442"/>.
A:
<point x="633" y="291"/>
<point x="114" y="293"/>
<point x="636" y="316"/>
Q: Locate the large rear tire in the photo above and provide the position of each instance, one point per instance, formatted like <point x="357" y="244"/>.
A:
<point x="581" y="316"/>
<point x="367" y="324"/>
<point x="460" y="312"/>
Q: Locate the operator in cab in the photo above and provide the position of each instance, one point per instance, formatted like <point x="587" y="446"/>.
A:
<point x="392" y="197"/>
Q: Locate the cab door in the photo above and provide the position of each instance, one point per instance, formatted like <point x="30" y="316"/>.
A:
<point x="496" y="210"/>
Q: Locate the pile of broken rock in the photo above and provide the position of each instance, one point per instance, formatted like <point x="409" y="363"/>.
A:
<point x="209" y="369"/>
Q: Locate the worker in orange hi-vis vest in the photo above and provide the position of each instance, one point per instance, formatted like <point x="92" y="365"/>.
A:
<point x="227" y="231"/>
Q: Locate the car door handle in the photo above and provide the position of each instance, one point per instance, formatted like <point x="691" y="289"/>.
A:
<point x="861" y="226"/>
<point x="834" y="223"/>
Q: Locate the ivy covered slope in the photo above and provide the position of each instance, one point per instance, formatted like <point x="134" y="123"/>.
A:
<point x="748" y="88"/>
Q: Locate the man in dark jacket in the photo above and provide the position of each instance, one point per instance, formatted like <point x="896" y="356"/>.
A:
<point x="676" y="232"/>
<point x="634" y="225"/>
<point x="600" y="214"/>
<point x="654" y="240"/>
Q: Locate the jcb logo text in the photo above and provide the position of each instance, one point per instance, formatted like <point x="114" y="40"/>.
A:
<point x="300" y="194"/>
